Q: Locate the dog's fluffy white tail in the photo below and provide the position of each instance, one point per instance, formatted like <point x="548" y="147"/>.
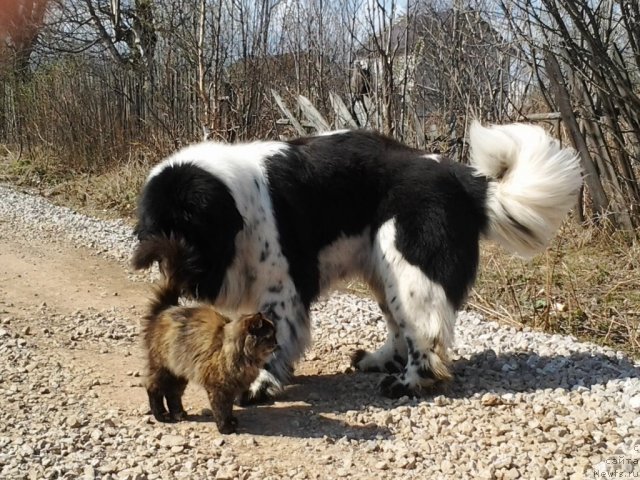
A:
<point x="533" y="183"/>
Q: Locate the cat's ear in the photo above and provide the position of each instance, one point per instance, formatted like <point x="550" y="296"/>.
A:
<point x="255" y="323"/>
<point x="250" y="343"/>
<point x="258" y="324"/>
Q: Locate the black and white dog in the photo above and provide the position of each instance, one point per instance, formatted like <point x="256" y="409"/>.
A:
<point x="269" y="226"/>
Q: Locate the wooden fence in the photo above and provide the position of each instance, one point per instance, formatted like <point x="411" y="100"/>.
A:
<point x="98" y="114"/>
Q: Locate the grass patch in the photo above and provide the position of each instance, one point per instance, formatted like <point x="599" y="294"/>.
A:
<point x="586" y="284"/>
<point x="109" y="192"/>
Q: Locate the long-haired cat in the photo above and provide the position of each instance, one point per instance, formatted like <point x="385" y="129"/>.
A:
<point x="200" y="344"/>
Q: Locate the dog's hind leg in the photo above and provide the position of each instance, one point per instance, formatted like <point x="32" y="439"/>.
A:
<point x="427" y="327"/>
<point x="423" y="314"/>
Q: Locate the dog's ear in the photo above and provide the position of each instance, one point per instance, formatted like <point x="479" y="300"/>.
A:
<point x="144" y="255"/>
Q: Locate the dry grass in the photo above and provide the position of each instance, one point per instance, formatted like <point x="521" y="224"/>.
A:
<point x="110" y="192"/>
<point x="586" y="284"/>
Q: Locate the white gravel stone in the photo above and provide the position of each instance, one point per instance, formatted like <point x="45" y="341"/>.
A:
<point x="172" y="441"/>
<point x="228" y="472"/>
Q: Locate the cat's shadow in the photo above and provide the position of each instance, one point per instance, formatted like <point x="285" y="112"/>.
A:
<point x="298" y="420"/>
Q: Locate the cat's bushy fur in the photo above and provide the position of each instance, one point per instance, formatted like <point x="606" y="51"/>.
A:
<point x="200" y="344"/>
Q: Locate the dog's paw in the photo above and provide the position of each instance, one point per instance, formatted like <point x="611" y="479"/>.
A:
<point x="358" y="361"/>
<point x="262" y="391"/>
<point x="396" y="386"/>
<point x="368" y="362"/>
<point x="393" y="387"/>
<point x="258" y="397"/>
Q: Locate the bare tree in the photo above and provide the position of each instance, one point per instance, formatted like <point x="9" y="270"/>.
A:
<point x="110" y="76"/>
<point x="590" y="73"/>
<point x="131" y="25"/>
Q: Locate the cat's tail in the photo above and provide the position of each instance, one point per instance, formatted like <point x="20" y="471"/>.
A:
<point x="532" y="183"/>
<point x="179" y="265"/>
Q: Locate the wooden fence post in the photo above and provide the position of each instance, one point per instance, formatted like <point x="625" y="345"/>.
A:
<point x="314" y="117"/>
<point x="287" y="113"/>
<point x="343" y="117"/>
<point x="559" y="90"/>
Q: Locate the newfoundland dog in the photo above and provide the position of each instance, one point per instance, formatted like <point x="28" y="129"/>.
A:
<point x="269" y="226"/>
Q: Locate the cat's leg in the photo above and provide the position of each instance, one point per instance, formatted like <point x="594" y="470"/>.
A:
<point x="156" y="405"/>
<point x="156" y="389"/>
<point x="222" y="407"/>
<point x="173" y="394"/>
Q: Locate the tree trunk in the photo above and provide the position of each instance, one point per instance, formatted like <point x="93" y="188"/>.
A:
<point x="561" y="95"/>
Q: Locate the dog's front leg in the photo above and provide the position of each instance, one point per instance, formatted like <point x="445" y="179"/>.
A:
<point x="392" y="356"/>
<point x="287" y="311"/>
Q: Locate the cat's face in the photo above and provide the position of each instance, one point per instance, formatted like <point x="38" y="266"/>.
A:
<point x="260" y="340"/>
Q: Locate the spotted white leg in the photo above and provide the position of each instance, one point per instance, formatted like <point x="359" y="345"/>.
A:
<point x="427" y="358"/>
<point x="423" y="315"/>
<point x="392" y="356"/>
<point x="284" y="307"/>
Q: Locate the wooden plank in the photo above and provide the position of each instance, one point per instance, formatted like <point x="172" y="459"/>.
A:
<point x="417" y="124"/>
<point x="361" y="113"/>
<point x="312" y="115"/>
<point x="373" y="114"/>
<point x="286" y="121"/>
<point x="563" y="99"/>
<point x="536" y="117"/>
<point x="433" y="133"/>
<point x="288" y="114"/>
<point x="343" y="117"/>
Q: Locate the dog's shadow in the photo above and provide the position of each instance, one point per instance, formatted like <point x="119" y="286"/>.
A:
<point x="528" y="372"/>
<point x="311" y="407"/>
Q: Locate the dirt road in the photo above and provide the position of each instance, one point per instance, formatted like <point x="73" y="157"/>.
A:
<point x="523" y="404"/>
<point x="46" y="285"/>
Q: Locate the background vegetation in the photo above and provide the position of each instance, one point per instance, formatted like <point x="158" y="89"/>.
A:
<point x="92" y="92"/>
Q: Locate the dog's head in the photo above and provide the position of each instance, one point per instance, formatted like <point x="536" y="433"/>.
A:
<point x="260" y="337"/>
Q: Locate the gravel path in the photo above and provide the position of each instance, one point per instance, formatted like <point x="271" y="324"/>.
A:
<point x="523" y="404"/>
